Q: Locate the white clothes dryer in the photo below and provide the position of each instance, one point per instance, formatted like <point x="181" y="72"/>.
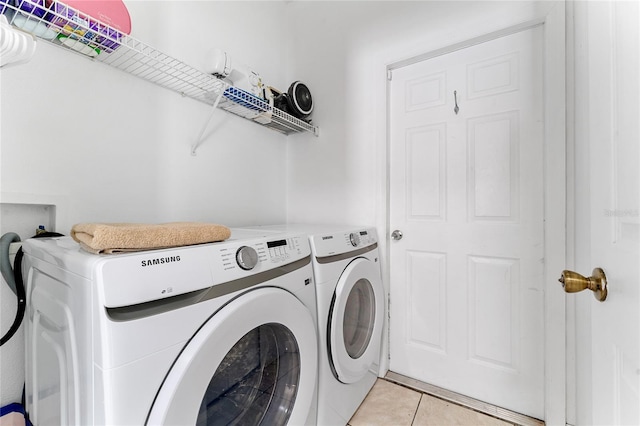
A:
<point x="203" y="335"/>
<point x="351" y="311"/>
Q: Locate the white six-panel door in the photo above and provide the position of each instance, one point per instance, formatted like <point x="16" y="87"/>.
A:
<point x="466" y="190"/>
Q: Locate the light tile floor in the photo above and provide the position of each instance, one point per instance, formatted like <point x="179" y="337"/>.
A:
<point x="390" y="404"/>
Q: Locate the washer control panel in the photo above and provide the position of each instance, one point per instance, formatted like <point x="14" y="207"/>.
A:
<point x="247" y="258"/>
<point x="283" y="250"/>
<point x="260" y="255"/>
<point x="163" y="272"/>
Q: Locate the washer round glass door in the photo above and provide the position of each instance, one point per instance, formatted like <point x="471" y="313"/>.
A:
<point x="357" y="313"/>
<point x="253" y="362"/>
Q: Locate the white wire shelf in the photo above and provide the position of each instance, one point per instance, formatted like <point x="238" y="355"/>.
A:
<point x="57" y="24"/>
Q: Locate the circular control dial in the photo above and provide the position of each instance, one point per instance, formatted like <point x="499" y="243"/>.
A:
<point x="247" y="257"/>
<point x="355" y="239"/>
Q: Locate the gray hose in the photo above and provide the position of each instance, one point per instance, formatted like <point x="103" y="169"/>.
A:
<point x="5" y="264"/>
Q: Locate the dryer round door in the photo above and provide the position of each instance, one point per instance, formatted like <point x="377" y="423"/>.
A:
<point x="253" y="362"/>
<point x="355" y="322"/>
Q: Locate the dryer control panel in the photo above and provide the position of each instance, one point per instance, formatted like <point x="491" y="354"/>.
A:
<point x="343" y="242"/>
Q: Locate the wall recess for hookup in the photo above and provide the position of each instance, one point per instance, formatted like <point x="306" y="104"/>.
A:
<point x="25" y="219"/>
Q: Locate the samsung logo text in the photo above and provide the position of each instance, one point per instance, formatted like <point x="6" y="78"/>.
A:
<point x="160" y="261"/>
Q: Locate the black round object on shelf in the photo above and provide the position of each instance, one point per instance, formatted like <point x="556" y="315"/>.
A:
<point x="296" y="101"/>
<point x="299" y="99"/>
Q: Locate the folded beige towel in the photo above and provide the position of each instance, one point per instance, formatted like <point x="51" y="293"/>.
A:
<point x="124" y="237"/>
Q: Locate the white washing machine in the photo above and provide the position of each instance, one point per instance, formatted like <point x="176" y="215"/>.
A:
<point x="351" y="311"/>
<point x="201" y="335"/>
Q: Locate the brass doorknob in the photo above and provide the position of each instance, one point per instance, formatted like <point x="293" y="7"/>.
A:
<point x="597" y="282"/>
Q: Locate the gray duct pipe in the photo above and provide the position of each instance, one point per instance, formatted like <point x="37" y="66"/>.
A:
<point x="5" y="264"/>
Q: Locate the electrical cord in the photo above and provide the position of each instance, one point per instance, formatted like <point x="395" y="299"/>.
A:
<point x="21" y="297"/>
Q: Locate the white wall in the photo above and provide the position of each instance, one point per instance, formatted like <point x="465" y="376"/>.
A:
<point x="117" y="148"/>
<point x="341" y="176"/>
<point x="109" y="147"/>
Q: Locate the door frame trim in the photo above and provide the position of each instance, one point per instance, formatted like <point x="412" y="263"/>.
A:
<point x="555" y="196"/>
<point x="467" y="43"/>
